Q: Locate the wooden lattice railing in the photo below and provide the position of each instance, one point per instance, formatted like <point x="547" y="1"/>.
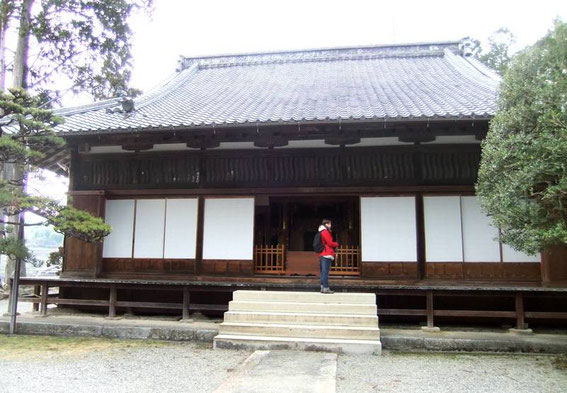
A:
<point x="269" y="259"/>
<point x="346" y="261"/>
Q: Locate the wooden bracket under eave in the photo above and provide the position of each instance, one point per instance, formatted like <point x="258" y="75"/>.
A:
<point x="271" y="141"/>
<point x="203" y="143"/>
<point x="417" y="138"/>
<point x="137" y="147"/>
<point x="342" y="140"/>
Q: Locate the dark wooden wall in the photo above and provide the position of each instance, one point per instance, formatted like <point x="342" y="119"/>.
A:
<point x="554" y="265"/>
<point x="82" y="258"/>
<point x="373" y="166"/>
<point x="393" y="168"/>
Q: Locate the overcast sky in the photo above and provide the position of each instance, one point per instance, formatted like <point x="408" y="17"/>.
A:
<point x="195" y="28"/>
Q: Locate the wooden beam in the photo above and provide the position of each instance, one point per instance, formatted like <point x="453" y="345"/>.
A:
<point x="289" y="191"/>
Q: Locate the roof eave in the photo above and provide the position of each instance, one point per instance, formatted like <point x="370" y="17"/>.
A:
<point x="381" y="121"/>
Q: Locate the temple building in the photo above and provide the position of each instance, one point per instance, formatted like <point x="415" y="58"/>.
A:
<point x="223" y="174"/>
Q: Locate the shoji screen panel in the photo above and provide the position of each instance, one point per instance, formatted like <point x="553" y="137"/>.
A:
<point x="388" y="229"/>
<point x="511" y="255"/>
<point x="229" y="228"/>
<point x="120" y="215"/>
<point x="149" y="231"/>
<point x="181" y="228"/>
<point x="443" y="238"/>
<point x="481" y="242"/>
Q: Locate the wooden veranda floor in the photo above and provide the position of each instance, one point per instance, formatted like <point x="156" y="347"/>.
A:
<point x="426" y="299"/>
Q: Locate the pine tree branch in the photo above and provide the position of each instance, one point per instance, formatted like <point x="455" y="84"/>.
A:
<point x="18" y="224"/>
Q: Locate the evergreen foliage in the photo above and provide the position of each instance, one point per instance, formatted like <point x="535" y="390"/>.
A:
<point x="498" y="56"/>
<point x="87" y="42"/>
<point x="522" y="180"/>
<point x="25" y="128"/>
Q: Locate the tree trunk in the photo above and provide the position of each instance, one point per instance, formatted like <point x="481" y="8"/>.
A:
<point x="17" y="171"/>
<point x="7" y="8"/>
<point x="22" y="48"/>
<point x="13" y="172"/>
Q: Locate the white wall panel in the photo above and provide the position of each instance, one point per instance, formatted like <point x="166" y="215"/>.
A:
<point x="388" y="229"/>
<point x="229" y="228"/>
<point x="511" y="255"/>
<point x="148" y="235"/>
<point x="181" y="228"/>
<point x="480" y="237"/>
<point x="443" y="240"/>
<point x="120" y="215"/>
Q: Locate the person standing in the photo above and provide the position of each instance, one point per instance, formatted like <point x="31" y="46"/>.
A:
<point x="327" y="256"/>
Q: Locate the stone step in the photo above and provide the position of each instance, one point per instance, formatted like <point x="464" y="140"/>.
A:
<point x="305" y="297"/>
<point x="312" y="308"/>
<point x="302" y="318"/>
<point x="286" y="330"/>
<point x="232" y="341"/>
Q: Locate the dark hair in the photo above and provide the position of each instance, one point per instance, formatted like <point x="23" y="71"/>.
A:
<point x="325" y="222"/>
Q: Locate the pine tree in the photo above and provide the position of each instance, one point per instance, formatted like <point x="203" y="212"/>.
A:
<point x="88" y="44"/>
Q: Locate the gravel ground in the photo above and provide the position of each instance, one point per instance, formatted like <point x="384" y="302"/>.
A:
<point x="186" y="367"/>
<point x="191" y="367"/>
<point x="445" y="372"/>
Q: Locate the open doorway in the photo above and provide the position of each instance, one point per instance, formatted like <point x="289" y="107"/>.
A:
<point x="292" y="222"/>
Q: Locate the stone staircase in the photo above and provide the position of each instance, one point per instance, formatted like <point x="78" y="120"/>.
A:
<point x="339" y="322"/>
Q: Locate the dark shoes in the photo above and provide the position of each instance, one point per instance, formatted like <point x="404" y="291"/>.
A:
<point x="326" y="290"/>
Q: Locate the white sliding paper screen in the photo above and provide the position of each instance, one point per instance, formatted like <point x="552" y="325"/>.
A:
<point x="180" y="228"/>
<point x="388" y="229"/>
<point x="120" y="215"/>
<point x="229" y="228"/>
<point x="443" y="239"/>
<point x="511" y="255"/>
<point x="481" y="242"/>
<point x="149" y="231"/>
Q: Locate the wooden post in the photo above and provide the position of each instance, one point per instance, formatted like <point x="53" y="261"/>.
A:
<point x="36" y="293"/>
<point x="186" y="303"/>
<point x="520" y="322"/>
<point x="429" y="302"/>
<point x="112" y="302"/>
<point x="44" y="294"/>
<point x="200" y="232"/>
<point x="420" y="237"/>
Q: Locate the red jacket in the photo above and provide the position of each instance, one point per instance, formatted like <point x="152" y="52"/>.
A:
<point x="328" y="242"/>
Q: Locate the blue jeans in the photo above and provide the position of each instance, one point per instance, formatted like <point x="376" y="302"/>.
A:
<point x="324" y="267"/>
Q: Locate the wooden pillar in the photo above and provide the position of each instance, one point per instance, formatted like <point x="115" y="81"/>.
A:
<point x="420" y="236"/>
<point x="37" y="294"/>
<point x="44" y="295"/>
<point x="285" y="224"/>
<point x="112" y="302"/>
<point x="429" y="305"/>
<point x="520" y="322"/>
<point x="186" y="302"/>
<point x="200" y="231"/>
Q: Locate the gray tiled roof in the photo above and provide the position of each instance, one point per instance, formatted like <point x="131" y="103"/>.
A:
<point x="417" y="81"/>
